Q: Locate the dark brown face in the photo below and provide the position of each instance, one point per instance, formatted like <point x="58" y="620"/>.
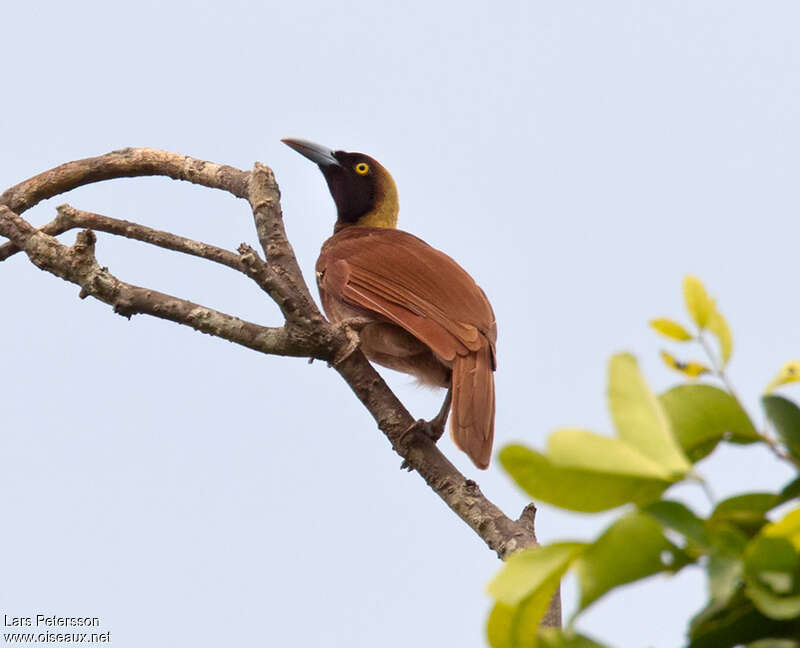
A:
<point x="352" y="184"/>
<point x="364" y="192"/>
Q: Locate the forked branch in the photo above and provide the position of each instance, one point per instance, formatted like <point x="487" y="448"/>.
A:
<point x="305" y="333"/>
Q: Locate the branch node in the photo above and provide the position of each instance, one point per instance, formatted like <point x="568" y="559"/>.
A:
<point x="64" y="217"/>
<point x="84" y="243"/>
<point x="245" y="250"/>
<point x="254" y="264"/>
<point x="528" y="516"/>
<point x="124" y="308"/>
<point x="471" y="488"/>
<point x="264" y="203"/>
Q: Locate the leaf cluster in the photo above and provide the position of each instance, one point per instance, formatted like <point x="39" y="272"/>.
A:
<point x="752" y="563"/>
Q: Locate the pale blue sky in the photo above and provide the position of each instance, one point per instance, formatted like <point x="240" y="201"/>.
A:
<point x="577" y="158"/>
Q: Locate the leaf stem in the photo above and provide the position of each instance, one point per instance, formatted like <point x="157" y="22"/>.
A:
<point x="707" y="490"/>
<point x="772" y="444"/>
<point x="718" y="369"/>
<point x="777" y="450"/>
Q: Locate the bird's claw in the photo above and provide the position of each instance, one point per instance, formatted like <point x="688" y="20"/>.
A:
<point x="433" y="429"/>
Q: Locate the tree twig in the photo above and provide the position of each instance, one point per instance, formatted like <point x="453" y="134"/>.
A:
<point x="124" y="163"/>
<point x="265" y="200"/>
<point x="78" y="265"/>
<point x="76" y="218"/>
<point x="719" y="370"/>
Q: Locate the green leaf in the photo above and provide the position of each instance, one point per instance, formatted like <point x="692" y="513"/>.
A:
<point x="719" y="327"/>
<point x="727" y="539"/>
<point x="736" y="624"/>
<point x="702" y="415"/>
<point x="789" y="373"/>
<point x="574" y="489"/>
<point x="790" y="491"/>
<point x="527" y="570"/>
<point x="517" y="626"/>
<point x="774" y="643"/>
<point x="529" y="612"/>
<point x="639" y="417"/>
<point x="785" y="417"/>
<point x="698" y="303"/>
<point x="557" y="638"/>
<point x="725" y="576"/>
<point x="632" y="548"/>
<point x="676" y="516"/>
<point x="498" y="626"/>
<point x="716" y="625"/>
<point x="745" y="506"/>
<point x="573" y="448"/>
<point x="671" y="329"/>
<point x="748" y="512"/>
<point x="513" y="626"/>
<point x="772" y="576"/>
<point x="583" y="471"/>
<point x="523" y="590"/>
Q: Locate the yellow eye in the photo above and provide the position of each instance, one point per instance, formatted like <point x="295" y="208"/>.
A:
<point x="362" y="168"/>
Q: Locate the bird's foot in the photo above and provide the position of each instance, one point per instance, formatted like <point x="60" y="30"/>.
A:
<point x="436" y="426"/>
<point x="433" y="429"/>
<point x="351" y="328"/>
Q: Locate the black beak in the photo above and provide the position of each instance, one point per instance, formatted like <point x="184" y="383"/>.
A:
<point x="321" y="155"/>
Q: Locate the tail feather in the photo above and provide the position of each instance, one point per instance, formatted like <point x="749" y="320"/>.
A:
<point x="472" y="418"/>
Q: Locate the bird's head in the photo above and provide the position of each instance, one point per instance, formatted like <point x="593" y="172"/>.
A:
<point x="363" y="190"/>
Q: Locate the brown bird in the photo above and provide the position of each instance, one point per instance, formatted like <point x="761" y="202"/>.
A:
<point x="425" y="315"/>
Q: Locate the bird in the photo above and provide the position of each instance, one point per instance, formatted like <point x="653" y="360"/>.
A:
<point x="419" y="311"/>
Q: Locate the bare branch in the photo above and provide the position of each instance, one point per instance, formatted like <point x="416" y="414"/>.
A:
<point x="461" y="494"/>
<point x="78" y="218"/>
<point x="77" y="264"/>
<point x="247" y="262"/>
<point x="306" y="333"/>
<point x="264" y="197"/>
<point x="57" y="226"/>
<point x="125" y="163"/>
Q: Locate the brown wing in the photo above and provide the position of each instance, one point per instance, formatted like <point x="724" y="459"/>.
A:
<point x="402" y="279"/>
<point x="405" y="280"/>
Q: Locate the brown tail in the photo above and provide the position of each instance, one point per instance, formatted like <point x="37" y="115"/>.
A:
<point x="472" y="418"/>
